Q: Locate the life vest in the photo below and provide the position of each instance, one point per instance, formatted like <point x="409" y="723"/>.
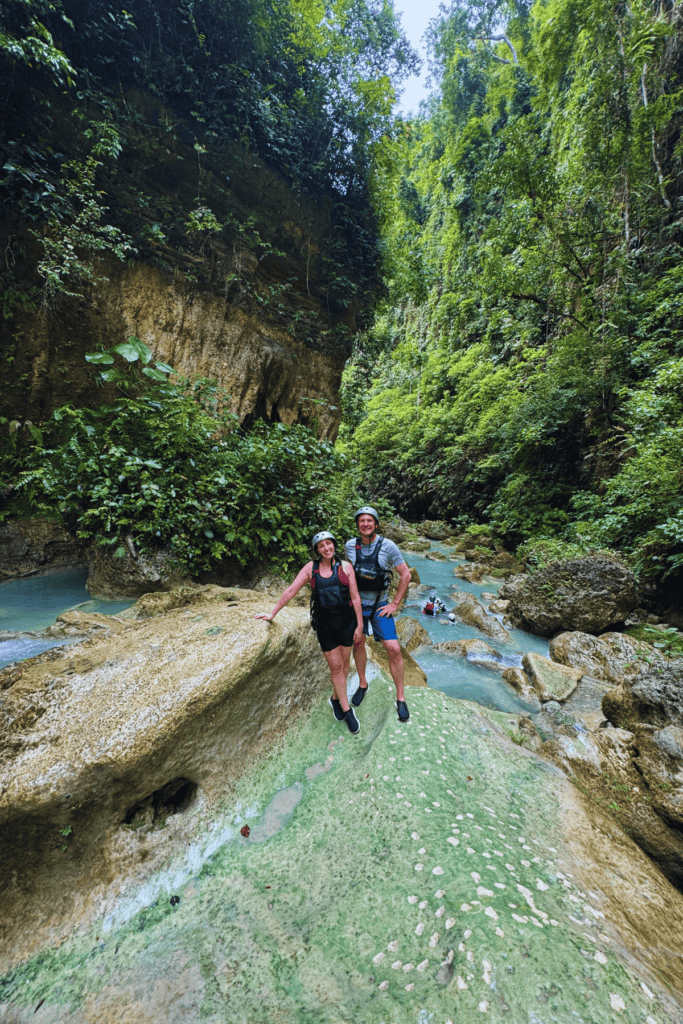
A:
<point x="329" y="594"/>
<point x="369" y="574"/>
<point x="428" y="608"/>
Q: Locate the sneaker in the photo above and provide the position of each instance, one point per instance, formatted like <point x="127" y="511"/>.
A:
<point x="336" y="709"/>
<point x="357" y="698"/>
<point x="352" y="722"/>
<point x="402" y="711"/>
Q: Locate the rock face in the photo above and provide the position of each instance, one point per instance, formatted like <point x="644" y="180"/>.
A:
<point x="435" y="530"/>
<point x="550" y="680"/>
<point x="257" y="928"/>
<point x="411" y="634"/>
<point x="471" y="612"/>
<point x="251" y="305"/>
<point x="654" y="697"/>
<point x="610" y="657"/>
<point x="636" y="768"/>
<point x="33" y="546"/>
<point x="473" y="573"/>
<point x="188" y="698"/>
<point x="112" y="578"/>
<point x="587" y="594"/>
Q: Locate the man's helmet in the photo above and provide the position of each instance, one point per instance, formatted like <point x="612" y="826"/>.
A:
<point x="367" y="510"/>
<point x="323" y="535"/>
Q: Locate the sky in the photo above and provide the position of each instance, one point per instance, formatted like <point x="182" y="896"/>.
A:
<point x="415" y="17"/>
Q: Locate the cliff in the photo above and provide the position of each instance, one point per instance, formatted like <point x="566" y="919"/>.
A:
<point x="232" y="278"/>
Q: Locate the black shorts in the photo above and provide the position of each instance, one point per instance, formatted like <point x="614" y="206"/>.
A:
<point x="335" y="631"/>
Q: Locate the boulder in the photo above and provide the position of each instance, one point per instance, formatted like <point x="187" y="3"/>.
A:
<point x="589" y="594"/>
<point x="413" y="675"/>
<point x="498" y="607"/>
<point x="436" y="556"/>
<point x="396" y="529"/>
<point x="610" y="657"/>
<point x="418" y="545"/>
<point x="660" y="762"/>
<point x="550" y="680"/>
<point x="132" y="575"/>
<point x="435" y="530"/>
<point x="472" y="613"/>
<point x="469" y="648"/>
<point x="512" y="585"/>
<point x="414" y="577"/>
<point x="473" y="573"/>
<point x="518" y="679"/>
<point x="654" y="697"/>
<point x="30" y="547"/>
<point x="411" y="634"/>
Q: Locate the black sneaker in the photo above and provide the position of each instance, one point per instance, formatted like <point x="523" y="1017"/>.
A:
<point x="352" y="722"/>
<point x="402" y="711"/>
<point x="357" y="698"/>
<point x="336" y="709"/>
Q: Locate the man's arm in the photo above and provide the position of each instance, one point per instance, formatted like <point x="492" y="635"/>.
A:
<point x="403" y="584"/>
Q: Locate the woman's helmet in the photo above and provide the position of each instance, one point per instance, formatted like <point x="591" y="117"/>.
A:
<point x="367" y="510"/>
<point x="323" y="535"/>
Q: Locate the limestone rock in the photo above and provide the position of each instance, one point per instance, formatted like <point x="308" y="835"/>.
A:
<point x="519" y="679"/>
<point x="413" y="674"/>
<point x="610" y="657"/>
<point x="195" y="692"/>
<point x="411" y="634"/>
<point x="660" y="761"/>
<point x="132" y="575"/>
<point x="436" y="556"/>
<point x="498" y="607"/>
<point x="396" y="529"/>
<point x="33" y="546"/>
<point x="512" y="585"/>
<point x="654" y="697"/>
<point x="468" y="648"/>
<point x="473" y="573"/>
<point x="435" y="530"/>
<point x="550" y="680"/>
<point x="589" y="594"/>
<point x="417" y="544"/>
<point x="472" y="613"/>
<point x="414" y="577"/>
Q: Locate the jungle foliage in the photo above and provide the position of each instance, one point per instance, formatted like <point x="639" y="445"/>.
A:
<point x="308" y="85"/>
<point x="168" y="466"/>
<point x="526" y="367"/>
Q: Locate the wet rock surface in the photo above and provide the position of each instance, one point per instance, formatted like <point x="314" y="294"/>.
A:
<point x="32" y="546"/>
<point x="632" y="761"/>
<point x="132" y="575"/>
<point x="472" y="613"/>
<point x="589" y="594"/>
<point x="550" y="680"/>
<point x="610" y="657"/>
<point x="411" y="634"/>
<point x="488" y="879"/>
<point x="193" y="689"/>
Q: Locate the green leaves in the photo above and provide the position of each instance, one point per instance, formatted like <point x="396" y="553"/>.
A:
<point x="133" y="349"/>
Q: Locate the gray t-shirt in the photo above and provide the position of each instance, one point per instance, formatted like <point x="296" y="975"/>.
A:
<point x="389" y="558"/>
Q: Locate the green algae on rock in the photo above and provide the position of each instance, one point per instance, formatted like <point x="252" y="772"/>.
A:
<point x="430" y="872"/>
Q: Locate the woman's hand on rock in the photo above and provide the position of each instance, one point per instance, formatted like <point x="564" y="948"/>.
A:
<point x="268" y="616"/>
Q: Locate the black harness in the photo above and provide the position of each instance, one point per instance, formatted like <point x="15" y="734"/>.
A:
<point x="330" y="596"/>
<point x="369" y="574"/>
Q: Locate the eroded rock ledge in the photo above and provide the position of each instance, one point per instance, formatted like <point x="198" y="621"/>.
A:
<point x="163" y="709"/>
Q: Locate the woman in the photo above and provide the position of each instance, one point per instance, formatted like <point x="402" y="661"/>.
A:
<point x="336" y="616"/>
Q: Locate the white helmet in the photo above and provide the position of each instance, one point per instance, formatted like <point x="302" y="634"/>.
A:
<point x="323" y="535"/>
<point x="367" y="510"/>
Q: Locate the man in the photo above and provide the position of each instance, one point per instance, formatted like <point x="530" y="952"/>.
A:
<point x="372" y="556"/>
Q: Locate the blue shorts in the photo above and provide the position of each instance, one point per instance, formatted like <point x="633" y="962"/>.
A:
<point x="383" y="627"/>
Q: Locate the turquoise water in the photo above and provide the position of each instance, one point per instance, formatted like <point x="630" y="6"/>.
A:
<point x="35" y="603"/>
<point x="454" y="675"/>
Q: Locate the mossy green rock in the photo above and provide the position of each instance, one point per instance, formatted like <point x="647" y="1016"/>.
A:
<point x="428" y="872"/>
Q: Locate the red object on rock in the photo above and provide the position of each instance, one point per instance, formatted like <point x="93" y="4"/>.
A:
<point x="244" y="831"/>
